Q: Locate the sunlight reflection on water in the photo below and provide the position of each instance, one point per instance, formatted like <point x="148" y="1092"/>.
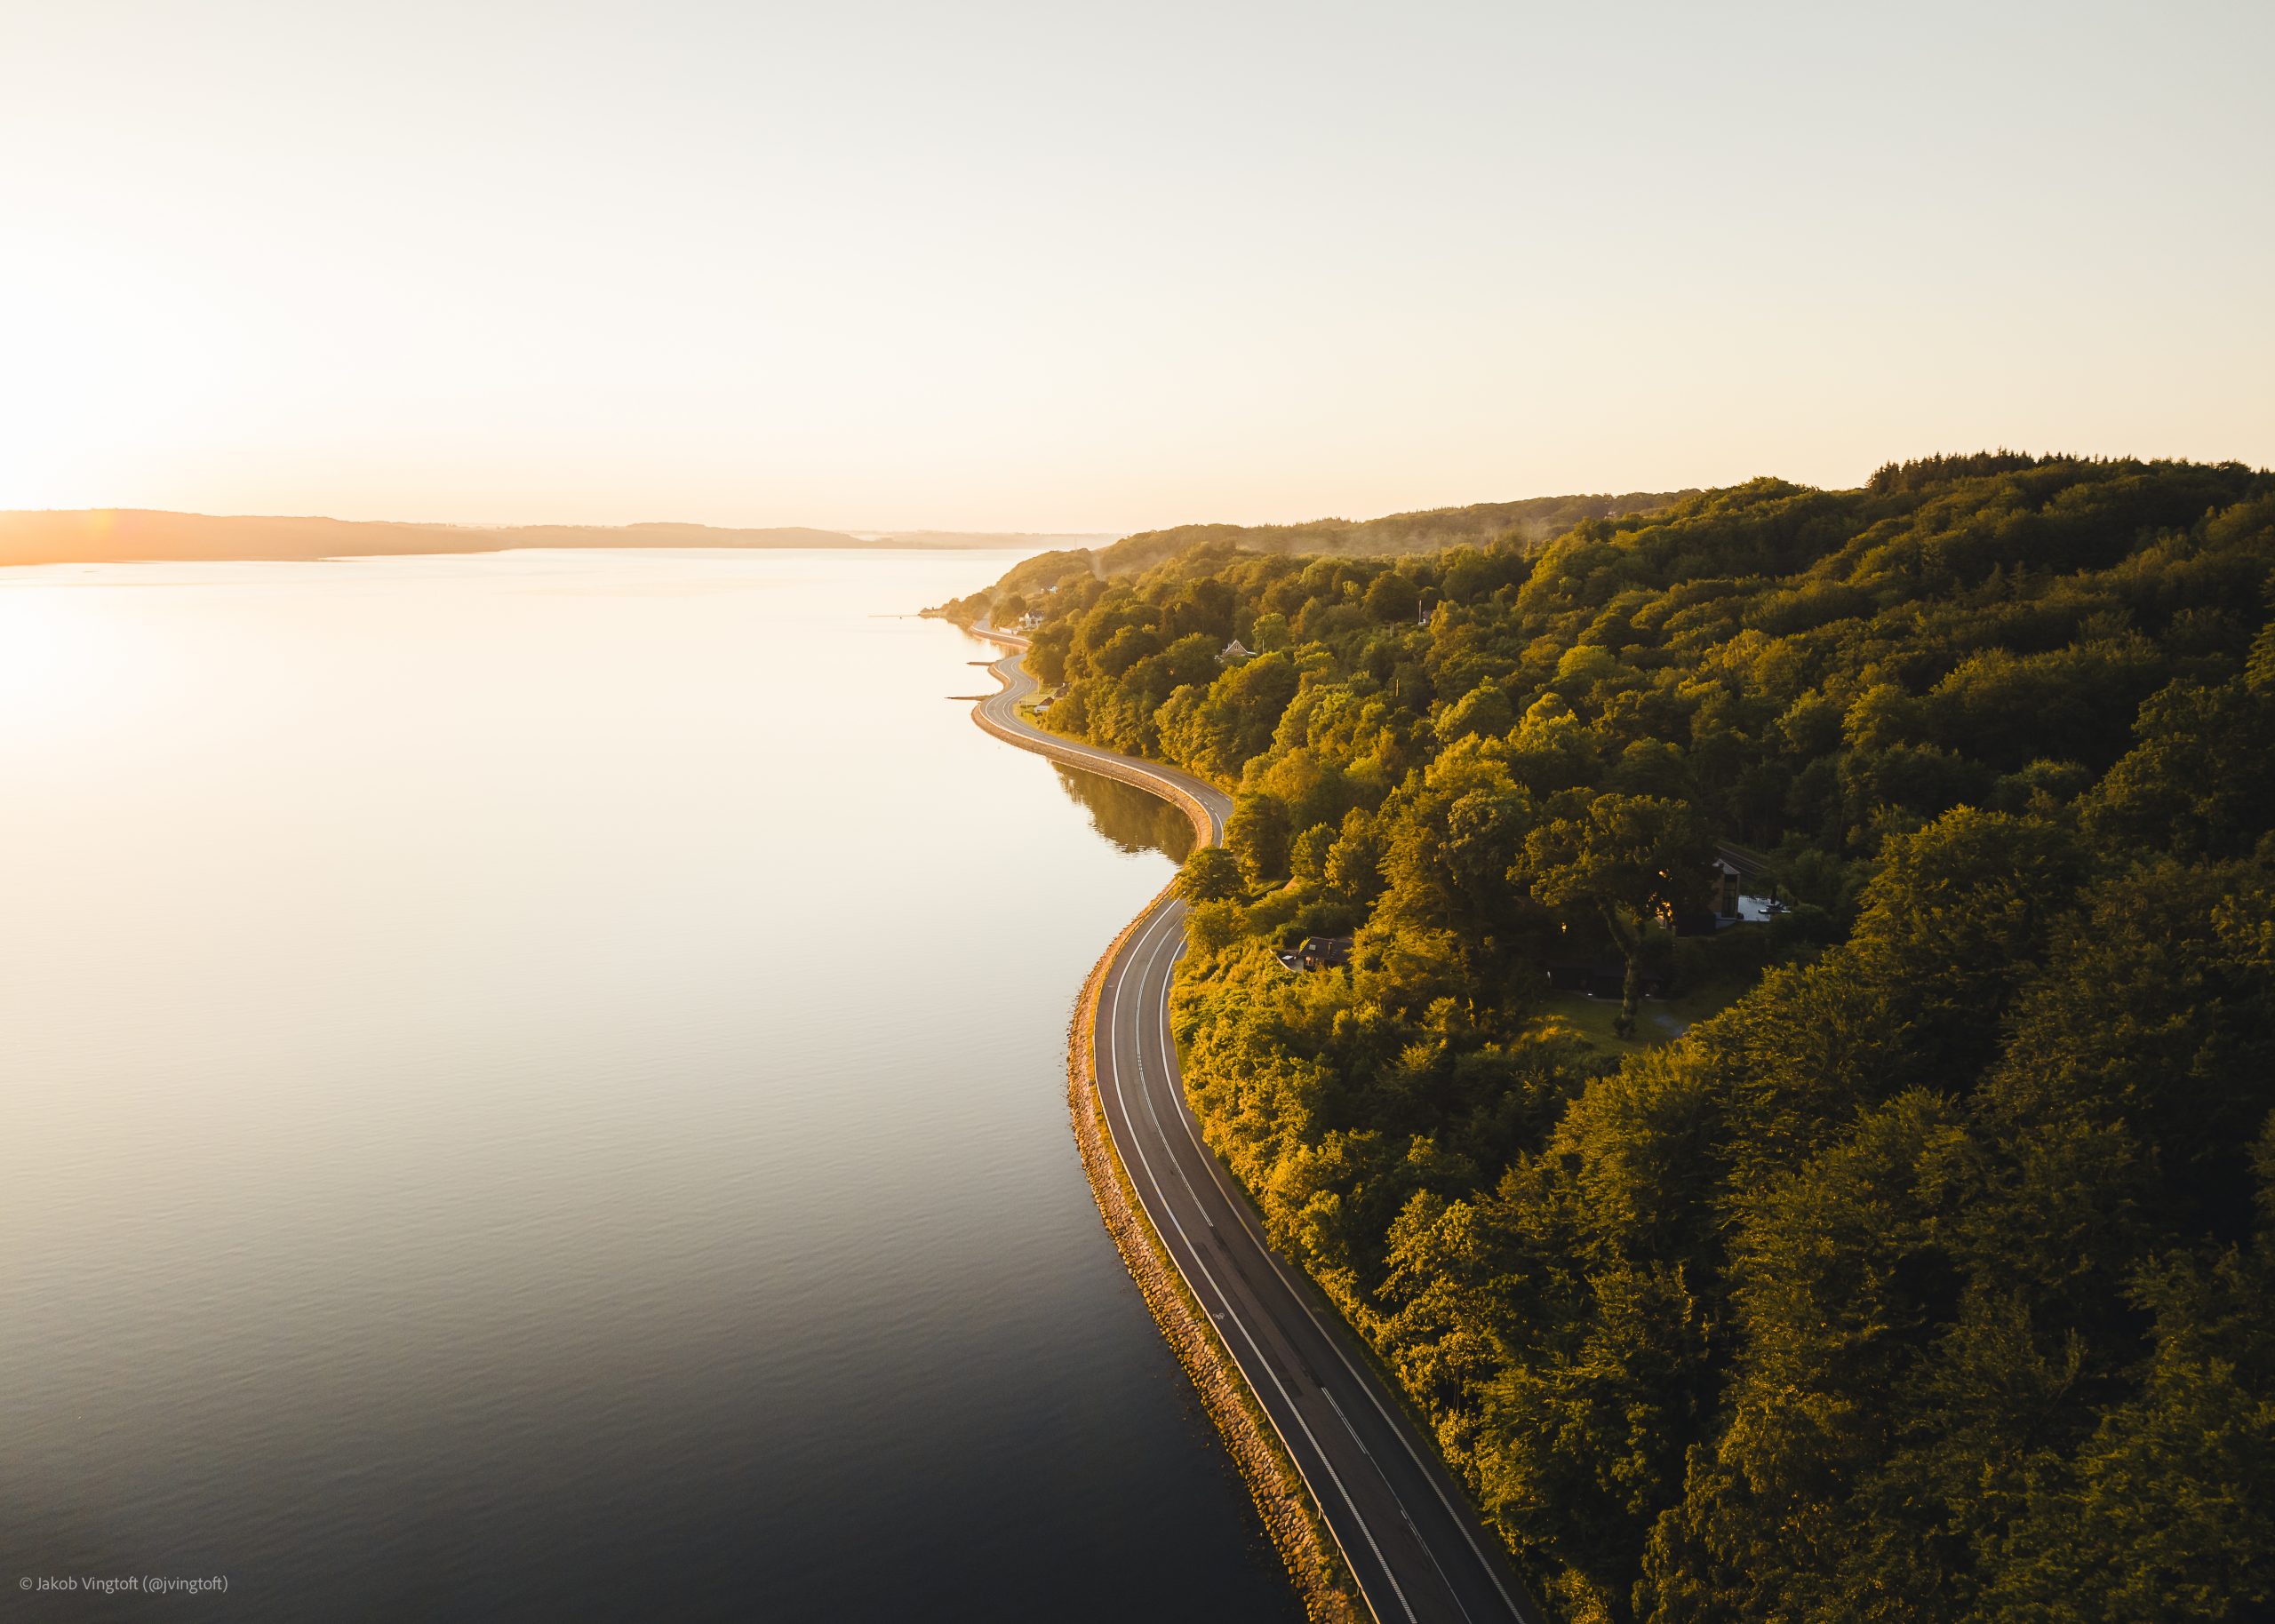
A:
<point x="536" y="1088"/>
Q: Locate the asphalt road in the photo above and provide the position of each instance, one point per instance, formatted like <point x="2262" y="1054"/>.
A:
<point x="1404" y="1525"/>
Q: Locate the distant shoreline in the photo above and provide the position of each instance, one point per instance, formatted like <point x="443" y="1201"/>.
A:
<point x="131" y="536"/>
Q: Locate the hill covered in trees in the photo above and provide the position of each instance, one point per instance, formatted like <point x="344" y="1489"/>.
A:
<point x="1930" y="1279"/>
<point x="1396" y="535"/>
<point x="1521" y="524"/>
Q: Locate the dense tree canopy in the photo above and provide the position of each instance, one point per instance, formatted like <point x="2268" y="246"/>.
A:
<point x="1931" y="1277"/>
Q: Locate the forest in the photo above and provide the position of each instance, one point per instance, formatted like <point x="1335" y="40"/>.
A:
<point x="1430" y="530"/>
<point x="1927" y="1275"/>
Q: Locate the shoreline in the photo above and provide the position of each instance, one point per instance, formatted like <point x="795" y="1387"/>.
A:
<point x="1307" y="1548"/>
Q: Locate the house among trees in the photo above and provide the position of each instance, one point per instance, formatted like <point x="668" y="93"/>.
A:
<point x="1323" y="953"/>
<point x="1723" y="905"/>
<point x="1235" y="652"/>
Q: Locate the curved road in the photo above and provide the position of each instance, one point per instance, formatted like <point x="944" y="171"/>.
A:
<point x="1403" y="1524"/>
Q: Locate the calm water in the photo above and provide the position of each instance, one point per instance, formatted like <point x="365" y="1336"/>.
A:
<point x="533" y="1086"/>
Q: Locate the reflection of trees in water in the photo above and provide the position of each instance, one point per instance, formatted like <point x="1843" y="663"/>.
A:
<point x="1128" y="815"/>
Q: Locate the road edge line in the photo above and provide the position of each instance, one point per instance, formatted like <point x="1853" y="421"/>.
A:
<point x="1305" y="1541"/>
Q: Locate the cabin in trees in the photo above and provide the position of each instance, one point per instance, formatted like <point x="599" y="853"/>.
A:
<point x="1722" y="908"/>
<point x="1235" y="652"/>
<point x="1323" y="952"/>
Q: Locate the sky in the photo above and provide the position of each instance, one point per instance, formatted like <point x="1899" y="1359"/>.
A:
<point x="1069" y="266"/>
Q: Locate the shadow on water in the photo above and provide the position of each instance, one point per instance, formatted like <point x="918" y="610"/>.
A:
<point x="1130" y="818"/>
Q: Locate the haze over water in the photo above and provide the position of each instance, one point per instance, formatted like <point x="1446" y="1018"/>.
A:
<point x="534" y="1087"/>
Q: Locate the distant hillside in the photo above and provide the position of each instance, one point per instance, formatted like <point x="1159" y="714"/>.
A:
<point x="65" y="536"/>
<point x="992" y="538"/>
<point x="1527" y="524"/>
<point x="1533" y="520"/>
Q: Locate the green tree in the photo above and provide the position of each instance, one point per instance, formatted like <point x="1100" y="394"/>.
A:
<point x="1631" y="859"/>
<point x="1393" y="597"/>
<point x="1257" y="835"/>
<point x="1211" y="875"/>
<point x="2201" y="777"/>
<point x="1308" y="852"/>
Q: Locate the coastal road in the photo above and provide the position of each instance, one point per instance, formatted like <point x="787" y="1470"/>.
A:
<point x="1403" y="1524"/>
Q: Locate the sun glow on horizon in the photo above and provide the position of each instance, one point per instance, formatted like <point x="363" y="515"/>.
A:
<point x="902" y="269"/>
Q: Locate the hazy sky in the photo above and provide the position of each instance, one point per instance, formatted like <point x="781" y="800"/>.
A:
<point x="1060" y="265"/>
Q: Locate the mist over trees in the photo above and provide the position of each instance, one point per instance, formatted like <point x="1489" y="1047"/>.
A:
<point x="1930" y="1278"/>
<point x="1533" y="520"/>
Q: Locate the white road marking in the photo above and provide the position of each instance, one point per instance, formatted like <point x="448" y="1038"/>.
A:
<point x="1355" y="1439"/>
<point x="1209" y="798"/>
<point x="1112" y="1025"/>
<point x="1241" y="1212"/>
<point x="1148" y="1093"/>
